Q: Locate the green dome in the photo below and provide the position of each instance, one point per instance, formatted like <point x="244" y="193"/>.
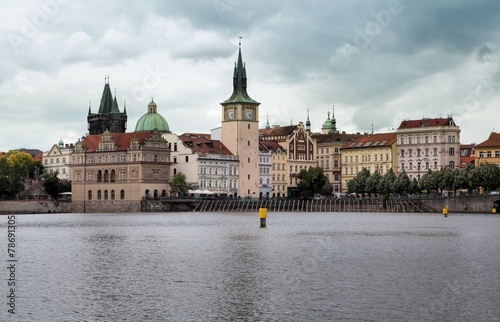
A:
<point x="152" y="120"/>
<point x="327" y="124"/>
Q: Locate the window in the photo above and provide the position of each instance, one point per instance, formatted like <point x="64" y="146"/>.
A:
<point x="112" y="195"/>
<point x="451" y="151"/>
<point x="105" y="194"/>
<point x="122" y="194"/>
<point x="90" y="195"/>
<point x="187" y="158"/>
<point x="402" y="141"/>
<point x="435" y="152"/>
<point x="451" y="164"/>
<point x="99" y="195"/>
<point x="402" y="154"/>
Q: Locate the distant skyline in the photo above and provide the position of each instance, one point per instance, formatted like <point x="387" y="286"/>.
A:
<point x="378" y="62"/>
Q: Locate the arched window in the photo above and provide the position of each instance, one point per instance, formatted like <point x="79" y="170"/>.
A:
<point x="147" y="193"/>
<point x="155" y="194"/>
<point x="106" y="175"/>
<point x="105" y="194"/>
<point x="99" y="175"/>
<point x="99" y="195"/>
<point x="122" y="194"/>
<point x="112" y="195"/>
<point x="90" y="194"/>
<point x="113" y="175"/>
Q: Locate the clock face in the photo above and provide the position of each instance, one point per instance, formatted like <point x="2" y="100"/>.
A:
<point x="230" y="114"/>
<point x="248" y="114"/>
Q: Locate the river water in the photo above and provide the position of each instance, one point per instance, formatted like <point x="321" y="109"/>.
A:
<point x="223" y="267"/>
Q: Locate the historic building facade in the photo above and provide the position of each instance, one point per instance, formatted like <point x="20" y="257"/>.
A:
<point x="300" y="149"/>
<point x="58" y="160"/>
<point x="427" y="144"/>
<point x="329" y="157"/>
<point x="240" y="131"/>
<point x="489" y="150"/>
<point x="265" y="172"/>
<point x="114" y="171"/>
<point x="374" y="152"/>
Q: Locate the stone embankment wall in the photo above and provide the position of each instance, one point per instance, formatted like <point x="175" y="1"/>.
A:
<point x="34" y="207"/>
<point x="474" y="204"/>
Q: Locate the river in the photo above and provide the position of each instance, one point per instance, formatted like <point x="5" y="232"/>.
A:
<point x="223" y="267"/>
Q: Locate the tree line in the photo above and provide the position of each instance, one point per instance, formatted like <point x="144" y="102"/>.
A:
<point x="16" y="167"/>
<point x="485" y="177"/>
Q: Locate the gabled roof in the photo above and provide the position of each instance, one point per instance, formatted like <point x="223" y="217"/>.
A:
<point x="426" y="122"/>
<point x="492" y="141"/>
<point x="202" y="143"/>
<point x="372" y="141"/>
<point x="121" y="140"/>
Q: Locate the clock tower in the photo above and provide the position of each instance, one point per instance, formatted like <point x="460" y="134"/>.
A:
<point x="240" y="131"/>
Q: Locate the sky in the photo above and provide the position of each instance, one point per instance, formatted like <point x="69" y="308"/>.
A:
<point x="373" y="63"/>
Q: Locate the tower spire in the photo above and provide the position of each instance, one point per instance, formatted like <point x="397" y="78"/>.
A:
<point x="333" y="121"/>
<point x="268" y="126"/>
<point x="308" y="123"/>
<point x="240" y="94"/>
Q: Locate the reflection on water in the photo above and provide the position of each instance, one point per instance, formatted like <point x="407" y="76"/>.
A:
<point x="214" y="266"/>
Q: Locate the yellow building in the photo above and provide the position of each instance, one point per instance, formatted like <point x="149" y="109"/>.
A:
<point x="489" y="150"/>
<point x="374" y="152"/>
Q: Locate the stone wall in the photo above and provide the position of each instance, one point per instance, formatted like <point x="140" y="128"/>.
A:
<point x="472" y="204"/>
<point x="105" y="206"/>
<point x="34" y="207"/>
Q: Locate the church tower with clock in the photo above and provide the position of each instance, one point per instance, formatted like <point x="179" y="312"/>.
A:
<point x="240" y="131"/>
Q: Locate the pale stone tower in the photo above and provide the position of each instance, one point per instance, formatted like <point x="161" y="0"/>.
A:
<point x="240" y="131"/>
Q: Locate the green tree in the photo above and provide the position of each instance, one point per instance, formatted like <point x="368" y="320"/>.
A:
<point x="402" y="183"/>
<point x="372" y="183"/>
<point x="51" y="184"/>
<point x="311" y="181"/>
<point x="429" y="181"/>
<point x="178" y="184"/>
<point x="386" y="185"/>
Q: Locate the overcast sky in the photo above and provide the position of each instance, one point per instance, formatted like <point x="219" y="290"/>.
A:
<point x="377" y="62"/>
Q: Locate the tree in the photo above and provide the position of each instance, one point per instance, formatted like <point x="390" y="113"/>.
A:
<point x="402" y="183"/>
<point x="429" y="181"/>
<point x="372" y="183"/>
<point x="311" y="181"/>
<point x="386" y="185"/>
<point x="51" y="184"/>
<point x="178" y="184"/>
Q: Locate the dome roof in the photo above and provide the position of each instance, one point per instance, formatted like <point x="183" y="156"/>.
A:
<point x="152" y="120"/>
<point x="327" y="124"/>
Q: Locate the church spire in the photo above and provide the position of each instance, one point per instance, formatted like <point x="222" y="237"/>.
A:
<point x="268" y="126"/>
<point x="308" y="123"/>
<point x="240" y="94"/>
<point x="333" y="121"/>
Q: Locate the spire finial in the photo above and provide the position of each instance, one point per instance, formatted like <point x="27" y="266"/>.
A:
<point x="240" y="43"/>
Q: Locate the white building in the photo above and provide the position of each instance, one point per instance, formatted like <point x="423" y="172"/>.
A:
<point x="265" y="173"/>
<point x="58" y="160"/>
<point x="427" y="144"/>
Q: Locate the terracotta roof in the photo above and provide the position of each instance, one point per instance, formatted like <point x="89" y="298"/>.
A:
<point x="372" y="141"/>
<point x="202" y="143"/>
<point x="278" y="131"/>
<point x="409" y="124"/>
<point x="121" y="140"/>
<point x="493" y="141"/>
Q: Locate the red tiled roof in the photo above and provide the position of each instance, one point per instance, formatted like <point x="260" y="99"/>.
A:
<point x="202" y="143"/>
<point x="277" y="131"/>
<point x="409" y="124"/>
<point x="121" y="140"/>
<point x="493" y="141"/>
<point x="372" y="141"/>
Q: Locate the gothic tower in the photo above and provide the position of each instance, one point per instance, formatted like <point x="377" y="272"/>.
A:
<point x="109" y="116"/>
<point x="240" y="131"/>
